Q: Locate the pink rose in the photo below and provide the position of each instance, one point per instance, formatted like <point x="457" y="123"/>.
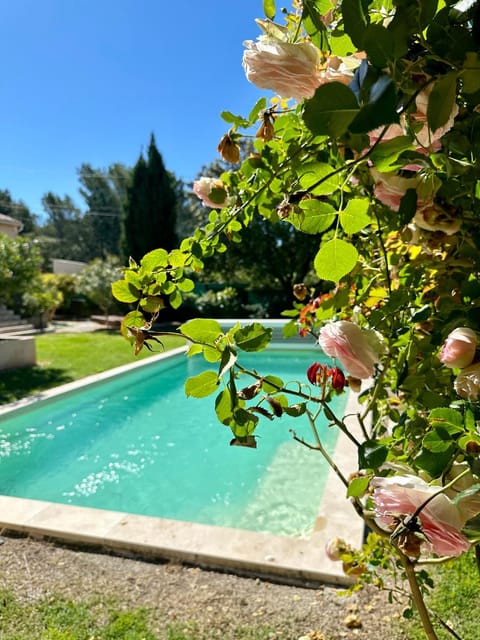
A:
<point x="211" y="192"/>
<point x="441" y="520"/>
<point x="340" y="69"/>
<point x="427" y="138"/>
<point x="459" y="348"/>
<point x="390" y="188"/>
<point x="467" y="383"/>
<point x="291" y="70"/>
<point x="433" y="218"/>
<point x="357" y="349"/>
<point x="393" y="131"/>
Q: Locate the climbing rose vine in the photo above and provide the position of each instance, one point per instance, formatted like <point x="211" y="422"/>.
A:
<point x="368" y="141"/>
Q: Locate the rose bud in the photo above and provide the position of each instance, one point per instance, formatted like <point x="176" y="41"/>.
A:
<point x="338" y="378"/>
<point x="313" y="372"/>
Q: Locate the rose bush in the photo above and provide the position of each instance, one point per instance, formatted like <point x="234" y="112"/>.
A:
<point x="382" y="174"/>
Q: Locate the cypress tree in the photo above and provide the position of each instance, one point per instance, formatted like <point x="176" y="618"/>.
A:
<point x="150" y="208"/>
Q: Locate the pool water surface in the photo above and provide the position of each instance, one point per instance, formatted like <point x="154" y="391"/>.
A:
<point x="135" y="443"/>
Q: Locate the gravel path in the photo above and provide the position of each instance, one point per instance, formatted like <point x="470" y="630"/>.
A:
<point x="219" y="605"/>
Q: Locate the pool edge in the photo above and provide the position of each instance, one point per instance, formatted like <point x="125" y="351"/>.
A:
<point x="283" y="558"/>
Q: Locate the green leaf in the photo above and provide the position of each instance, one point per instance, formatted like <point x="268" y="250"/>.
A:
<point x="154" y="259"/>
<point x="471" y="73"/>
<point x="385" y="154"/>
<point x="175" y="299"/>
<point x="254" y="113"/>
<point x="272" y="384"/>
<point x="233" y="119"/>
<point x="316" y="216"/>
<point x="202" y="385"/>
<point x="269" y="9"/>
<point x="229" y="358"/>
<point x="295" y="410"/>
<point x="132" y="319"/>
<point x="437" y="440"/>
<point x="408" y="207"/>
<point x="313" y="23"/>
<point x="358" y="487"/>
<point x="371" y="454"/>
<point x="355" y="21"/>
<point x="243" y="423"/>
<point x="355" y="216"/>
<point x="434" y="463"/>
<point x="441" y="100"/>
<point x="253" y="337"/>
<point x="223" y="407"/>
<point x="133" y="278"/>
<point x="378" y="44"/>
<point x="186" y="285"/>
<point x="331" y="110"/>
<point x="335" y="259"/>
<point x="319" y="178"/>
<point x="201" y="330"/>
<point x="448" y="418"/>
<point x="125" y="292"/>
<point x="381" y="108"/>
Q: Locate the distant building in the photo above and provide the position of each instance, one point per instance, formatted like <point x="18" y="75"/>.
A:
<point x="67" y="267"/>
<point x="10" y="226"/>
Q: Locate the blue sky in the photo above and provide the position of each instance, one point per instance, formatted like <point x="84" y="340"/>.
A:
<point x="89" y="80"/>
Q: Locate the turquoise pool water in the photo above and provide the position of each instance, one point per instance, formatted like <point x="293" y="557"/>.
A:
<point x="135" y="443"/>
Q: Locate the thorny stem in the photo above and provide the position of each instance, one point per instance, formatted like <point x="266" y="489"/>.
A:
<point x="319" y="447"/>
<point x="299" y="394"/>
<point x="417" y="596"/>
<point x="384" y="253"/>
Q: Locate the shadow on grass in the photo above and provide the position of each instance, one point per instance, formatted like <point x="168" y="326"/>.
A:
<point x="19" y="383"/>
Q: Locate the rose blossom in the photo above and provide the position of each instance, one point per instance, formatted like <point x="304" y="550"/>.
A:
<point x="340" y="69"/>
<point x="433" y="218"/>
<point x="393" y="131"/>
<point x="441" y="520"/>
<point x="390" y="188"/>
<point x="357" y="349"/>
<point x="467" y="383"/>
<point x="291" y="70"/>
<point x="469" y="504"/>
<point x="459" y="348"/>
<point x="426" y="137"/>
<point x="211" y="192"/>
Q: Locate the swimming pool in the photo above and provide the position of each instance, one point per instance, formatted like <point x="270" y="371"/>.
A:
<point x="135" y="443"/>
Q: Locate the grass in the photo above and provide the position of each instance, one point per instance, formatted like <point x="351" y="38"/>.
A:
<point x="455" y="599"/>
<point x="56" y="618"/>
<point x="64" y="357"/>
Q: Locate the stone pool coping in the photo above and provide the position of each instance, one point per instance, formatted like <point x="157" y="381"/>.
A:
<point x="283" y="558"/>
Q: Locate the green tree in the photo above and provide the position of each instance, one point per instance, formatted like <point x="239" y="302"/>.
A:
<point x="66" y="225"/>
<point x="19" y="266"/>
<point x="151" y="206"/>
<point x="95" y="282"/>
<point x="104" y="192"/>
<point x="19" y="211"/>
<point x="279" y="250"/>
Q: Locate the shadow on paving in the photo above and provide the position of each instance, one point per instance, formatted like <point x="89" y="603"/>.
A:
<point x="19" y="383"/>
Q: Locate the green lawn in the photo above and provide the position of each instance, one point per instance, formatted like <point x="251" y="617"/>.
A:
<point x="65" y="357"/>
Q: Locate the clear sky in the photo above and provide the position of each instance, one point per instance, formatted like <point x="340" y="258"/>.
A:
<point x="89" y="80"/>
